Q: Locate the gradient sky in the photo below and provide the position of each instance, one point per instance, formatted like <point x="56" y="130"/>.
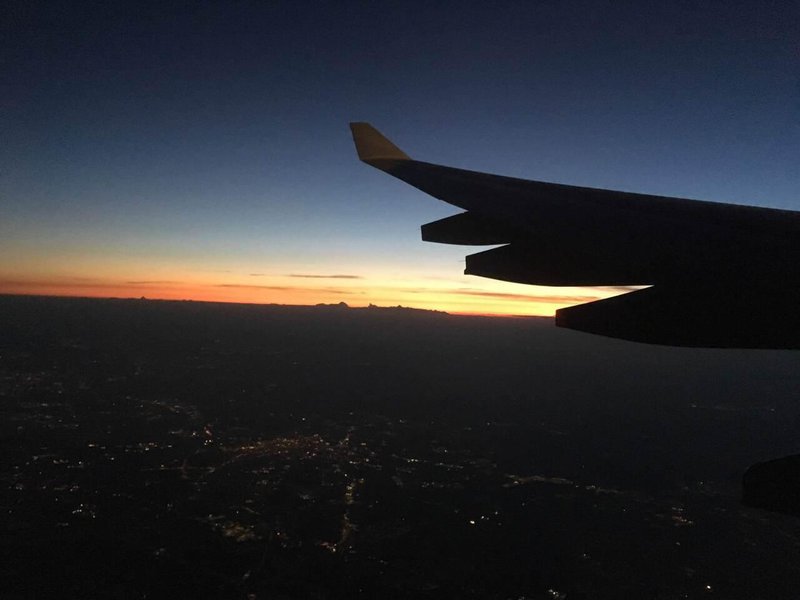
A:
<point x="201" y="150"/>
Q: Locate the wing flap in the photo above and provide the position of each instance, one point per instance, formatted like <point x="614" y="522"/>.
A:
<point x="714" y="314"/>
<point x="468" y="229"/>
<point x="558" y="265"/>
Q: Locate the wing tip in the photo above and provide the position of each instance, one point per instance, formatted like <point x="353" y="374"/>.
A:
<point x="372" y="145"/>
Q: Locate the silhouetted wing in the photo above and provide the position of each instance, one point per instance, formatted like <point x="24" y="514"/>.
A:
<point x="725" y="275"/>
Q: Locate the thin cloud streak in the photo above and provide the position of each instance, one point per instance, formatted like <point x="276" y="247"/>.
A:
<point x="281" y="288"/>
<point x="314" y="276"/>
<point x="245" y="286"/>
<point x="86" y="279"/>
<point x="78" y="283"/>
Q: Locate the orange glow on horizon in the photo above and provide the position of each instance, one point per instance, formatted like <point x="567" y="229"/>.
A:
<point x="491" y="299"/>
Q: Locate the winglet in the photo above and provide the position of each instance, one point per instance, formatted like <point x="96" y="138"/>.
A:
<point x="372" y="146"/>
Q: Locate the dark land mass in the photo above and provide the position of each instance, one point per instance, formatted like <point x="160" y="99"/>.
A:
<point x="177" y="449"/>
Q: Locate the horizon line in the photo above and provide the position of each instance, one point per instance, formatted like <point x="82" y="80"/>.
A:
<point x="317" y="305"/>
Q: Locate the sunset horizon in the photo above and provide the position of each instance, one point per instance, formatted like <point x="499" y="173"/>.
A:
<point x="215" y="160"/>
<point x="354" y="293"/>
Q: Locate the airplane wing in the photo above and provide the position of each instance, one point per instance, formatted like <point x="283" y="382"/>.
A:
<point x="720" y="275"/>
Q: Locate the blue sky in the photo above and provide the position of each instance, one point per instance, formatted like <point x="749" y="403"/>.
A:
<point x="203" y="143"/>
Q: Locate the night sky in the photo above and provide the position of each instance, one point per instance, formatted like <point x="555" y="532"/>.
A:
<point x="202" y="150"/>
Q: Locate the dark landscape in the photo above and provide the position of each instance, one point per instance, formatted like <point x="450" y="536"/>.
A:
<point x="154" y="449"/>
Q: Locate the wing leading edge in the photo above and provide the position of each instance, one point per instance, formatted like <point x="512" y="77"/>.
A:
<point x="723" y="275"/>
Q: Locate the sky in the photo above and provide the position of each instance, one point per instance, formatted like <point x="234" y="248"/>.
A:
<point x="202" y="151"/>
